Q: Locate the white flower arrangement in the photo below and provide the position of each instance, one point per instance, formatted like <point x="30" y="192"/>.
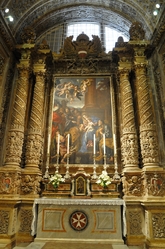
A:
<point x="56" y="179"/>
<point x="104" y="179"/>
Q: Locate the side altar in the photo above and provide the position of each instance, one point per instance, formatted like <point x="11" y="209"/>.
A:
<point x="89" y="220"/>
<point x="80" y="210"/>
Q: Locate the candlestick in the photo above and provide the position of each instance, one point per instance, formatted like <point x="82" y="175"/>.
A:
<point x="114" y="142"/>
<point x="68" y="144"/>
<point x="58" y="144"/>
<point x="104" y="143"/>
<point x="94" y="145"/>
<point x="48" y="149"/>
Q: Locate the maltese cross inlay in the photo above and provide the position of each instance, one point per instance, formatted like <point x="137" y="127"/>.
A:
<point x="78" y="220"/>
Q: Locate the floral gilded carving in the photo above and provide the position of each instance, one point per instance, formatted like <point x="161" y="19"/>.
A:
<point x="158" y="225"/>
<point x="149" y="145"/>
<point x="26" y="220"/>
<point x="30" y="184"/>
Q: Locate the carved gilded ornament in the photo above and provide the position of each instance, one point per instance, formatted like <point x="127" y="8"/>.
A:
<point x="33" y="149"/>
<point x="26" y="217"/>
<point x="136" y="32"/>
<point x="135" y="223"/>
<point x="149" y="144"/>
<point x="30" y="184"/>
<point x="129" y="149"/>
<point x="14" y="147"/>
<point x="158" y="225"/>
<point x="9" y="183"/>
<point x="133" y="185"/>
<point x="155" y="184"/>
<point x="28" y="35"/>
<point x="4" y="221"/>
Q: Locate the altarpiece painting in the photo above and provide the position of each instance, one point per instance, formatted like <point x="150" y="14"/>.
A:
<point x="81" y="123"/>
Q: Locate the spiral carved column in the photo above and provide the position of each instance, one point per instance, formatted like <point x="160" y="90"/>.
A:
<point x="148" y="134"/>
<point x="34" y="145"/>
<point x="129" y="145"/>
<point x="11" y="171"/>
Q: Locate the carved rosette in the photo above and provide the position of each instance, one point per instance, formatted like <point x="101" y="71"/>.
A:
<point x="129" y="145"/>
<point x="133" y="185"/>
<point x="34" y="139"/>
<point x="30" y="184"/>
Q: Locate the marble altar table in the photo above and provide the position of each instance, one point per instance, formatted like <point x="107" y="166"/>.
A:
<point x="79" y="219"/>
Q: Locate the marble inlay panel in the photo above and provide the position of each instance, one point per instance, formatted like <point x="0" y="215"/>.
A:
<point x="105" y="220"/>
<point x="52" y="220"/>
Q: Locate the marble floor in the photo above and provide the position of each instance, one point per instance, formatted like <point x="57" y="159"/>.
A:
<point x="43" y="245"/>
